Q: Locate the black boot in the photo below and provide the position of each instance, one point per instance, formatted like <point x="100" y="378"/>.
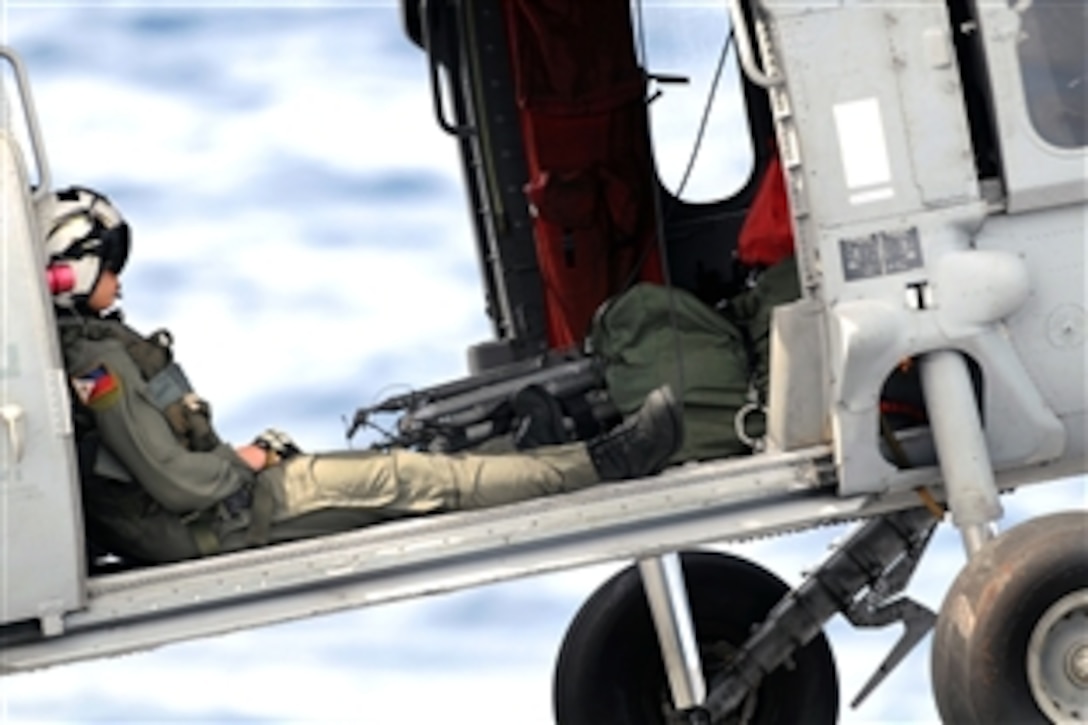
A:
<point x="641" y="444"/>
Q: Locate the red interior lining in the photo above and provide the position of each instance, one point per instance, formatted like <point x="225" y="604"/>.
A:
<point x="581" y="96"/>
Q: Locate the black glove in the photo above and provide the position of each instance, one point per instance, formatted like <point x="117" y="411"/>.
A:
<point x="279" y="446"/>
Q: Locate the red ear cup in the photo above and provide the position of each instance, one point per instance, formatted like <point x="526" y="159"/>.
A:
<point x="60" y="277"/>
<point x="85" y="233"/>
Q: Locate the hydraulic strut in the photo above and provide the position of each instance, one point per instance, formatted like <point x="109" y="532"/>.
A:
<point x="881" y="555"/>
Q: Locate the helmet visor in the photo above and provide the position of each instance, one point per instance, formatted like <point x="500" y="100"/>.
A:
<point x="115" y="247"/>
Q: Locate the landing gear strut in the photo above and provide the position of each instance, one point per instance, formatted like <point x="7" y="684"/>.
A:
<point x="610" y="668"/>
<point x="760" y="646"/>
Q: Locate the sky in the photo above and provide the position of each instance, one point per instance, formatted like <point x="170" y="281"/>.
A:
<point x="300" y="226"/>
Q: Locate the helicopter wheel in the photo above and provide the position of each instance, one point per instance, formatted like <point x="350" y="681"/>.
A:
<point x="1011" y="641"/>
<point x="609" y="668"/>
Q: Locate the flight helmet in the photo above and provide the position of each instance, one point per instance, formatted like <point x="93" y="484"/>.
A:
<point x="84" y="236"/>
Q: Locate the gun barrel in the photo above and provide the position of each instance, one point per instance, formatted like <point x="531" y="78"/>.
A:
<point x="564" y="378"/>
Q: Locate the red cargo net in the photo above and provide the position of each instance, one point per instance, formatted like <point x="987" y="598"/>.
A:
<point x="581" y="97"/>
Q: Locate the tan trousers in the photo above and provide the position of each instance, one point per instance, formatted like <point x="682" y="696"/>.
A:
<point x="330" y="492"/>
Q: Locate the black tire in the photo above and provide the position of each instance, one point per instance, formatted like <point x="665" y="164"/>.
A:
<point x="609" y="670"/>
<point x="981" y="641"/>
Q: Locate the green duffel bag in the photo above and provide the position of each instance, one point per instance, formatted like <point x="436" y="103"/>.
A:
<point x="642" y="335"/>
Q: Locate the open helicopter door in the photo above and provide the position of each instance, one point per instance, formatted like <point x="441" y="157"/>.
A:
<point x="577" y="167"/>
<point x="549" y="109"/>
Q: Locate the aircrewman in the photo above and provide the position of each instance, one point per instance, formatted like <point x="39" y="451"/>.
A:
<point x="158" y="483"/>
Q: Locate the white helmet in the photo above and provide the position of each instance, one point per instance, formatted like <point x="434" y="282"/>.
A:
<point x="84" y="235"/>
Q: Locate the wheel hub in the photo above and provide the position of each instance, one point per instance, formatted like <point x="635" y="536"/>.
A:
<point x="1058" y="659"/>
<point x="1078" y="666"/>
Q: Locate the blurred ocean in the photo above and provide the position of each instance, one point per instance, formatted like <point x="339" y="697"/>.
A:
<point x="301" y="228"/>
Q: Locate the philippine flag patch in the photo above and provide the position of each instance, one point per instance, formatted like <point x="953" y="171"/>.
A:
<point x="97" y="388"/>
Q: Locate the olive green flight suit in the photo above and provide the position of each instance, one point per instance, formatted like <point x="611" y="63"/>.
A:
<point x="153" y="497"/>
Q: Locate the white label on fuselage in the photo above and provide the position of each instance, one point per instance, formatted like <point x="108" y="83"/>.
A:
<point x="864" y="148"/>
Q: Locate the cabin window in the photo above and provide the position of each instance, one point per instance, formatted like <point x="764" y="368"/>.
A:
<point x="689" y="40"/>
<point x="1055" y="69"/>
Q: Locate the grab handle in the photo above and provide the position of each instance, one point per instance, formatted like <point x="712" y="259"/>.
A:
<point x="745" y="50"/>
<point x="45" y="180"/>
<point x="425" y="22"/>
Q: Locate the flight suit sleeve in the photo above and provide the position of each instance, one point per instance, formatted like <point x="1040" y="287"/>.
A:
<point x="131" y="426"/>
